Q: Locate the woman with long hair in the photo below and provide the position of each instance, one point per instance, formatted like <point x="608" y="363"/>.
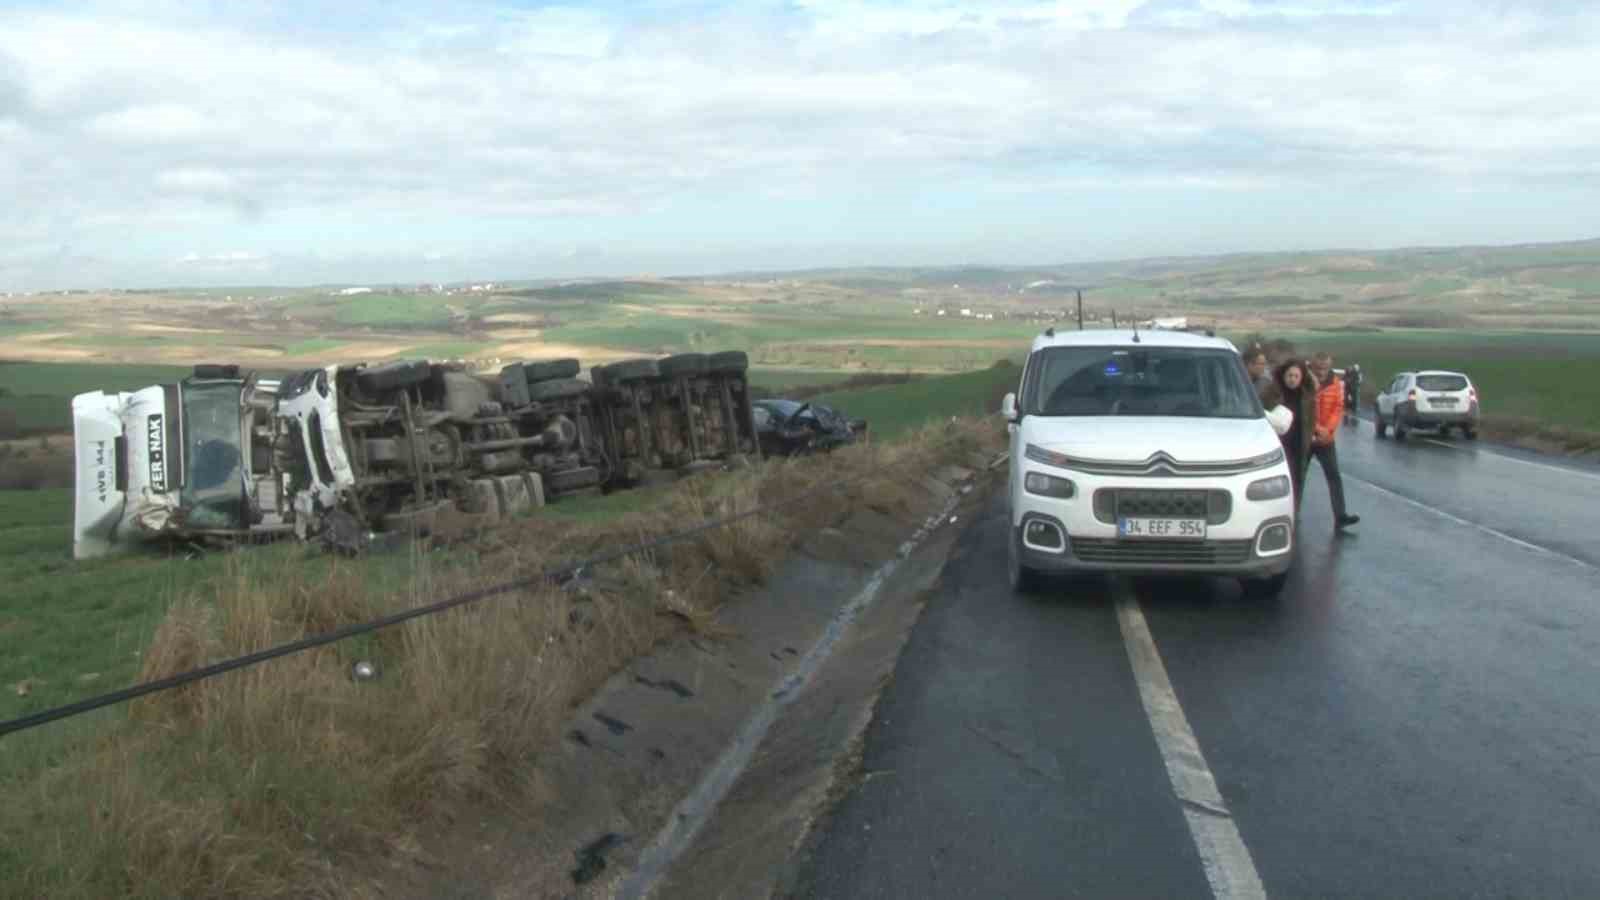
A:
<point x="1297" y="391"/>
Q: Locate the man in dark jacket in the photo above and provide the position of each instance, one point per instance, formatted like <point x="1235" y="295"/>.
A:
<point x="1255" y="362"/>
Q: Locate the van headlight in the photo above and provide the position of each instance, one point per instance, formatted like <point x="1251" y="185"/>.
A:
<point x="1047" y="485"/>
<point x="1268" y="488"/>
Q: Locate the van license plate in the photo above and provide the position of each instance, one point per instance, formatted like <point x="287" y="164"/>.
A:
<point x="1191" y="529"/>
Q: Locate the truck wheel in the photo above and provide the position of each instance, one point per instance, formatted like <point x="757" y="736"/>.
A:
<point x="683" y="364"/>
<point x="728" y="361"/>
<point x="631" y="370"/>
<point x="558" y="389"/>
<point x="393" y="376"/>
<point x="550" y="370"/>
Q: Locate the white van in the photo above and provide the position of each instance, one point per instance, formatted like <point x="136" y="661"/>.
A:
<point x="1145" y="452"/>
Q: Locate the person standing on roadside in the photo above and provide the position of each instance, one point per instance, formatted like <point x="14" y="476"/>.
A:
<point x="1292" y="388"/>
<point x="1255" y="362"/>
<point x="1352" y="391"/>
<point x="1330" y="415"/>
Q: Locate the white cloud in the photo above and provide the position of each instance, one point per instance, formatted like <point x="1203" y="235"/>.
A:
<point x="116" y="120"/>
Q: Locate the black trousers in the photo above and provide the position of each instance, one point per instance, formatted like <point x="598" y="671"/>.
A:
<point x="1328" y="456"/>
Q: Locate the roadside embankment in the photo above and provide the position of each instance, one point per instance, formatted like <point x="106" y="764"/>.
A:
<point x="293" y="778"/>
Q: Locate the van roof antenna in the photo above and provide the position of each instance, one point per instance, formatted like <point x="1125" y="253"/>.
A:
<point x="1136" y="331"/>
<point x="1050" y="332"/>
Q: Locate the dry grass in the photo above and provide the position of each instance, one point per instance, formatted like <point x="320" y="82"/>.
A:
<point x="285" y="778"/>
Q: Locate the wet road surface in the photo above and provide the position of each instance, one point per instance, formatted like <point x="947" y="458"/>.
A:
<point x="1417" y="716"/>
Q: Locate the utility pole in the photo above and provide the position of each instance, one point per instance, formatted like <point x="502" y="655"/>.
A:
<point x="1080" y="310"/>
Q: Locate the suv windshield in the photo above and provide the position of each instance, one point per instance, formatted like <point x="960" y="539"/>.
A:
<point x="213" y="486"/>
<point x="1442" y="382"/>
<point x="1139" y="381"/>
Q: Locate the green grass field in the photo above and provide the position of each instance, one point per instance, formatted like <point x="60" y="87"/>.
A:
<point x="1551" y="378"/>
<point x="39" y="395"/>
<point x="893" y="410"/>
<point x="392" y="310"/>
<point x="69" y="629"/>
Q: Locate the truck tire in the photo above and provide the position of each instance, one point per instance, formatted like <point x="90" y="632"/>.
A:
<point x="631" y="370"/>
<point x="550" y="370"/>
<point x="728" y="362"/>
<point x="393" y="376"/>
<point x="558" y="389"/>
<point x="215" y="370"/>
<point x="684" y="364"/>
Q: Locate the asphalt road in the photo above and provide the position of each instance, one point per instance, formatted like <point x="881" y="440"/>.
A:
<point x="1417" y="716"/>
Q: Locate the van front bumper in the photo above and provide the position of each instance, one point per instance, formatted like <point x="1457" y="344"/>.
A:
<point x="1269" y="552"/>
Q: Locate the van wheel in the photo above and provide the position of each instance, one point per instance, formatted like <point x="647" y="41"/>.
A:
<point x="1399" y="431"/>
<point x="1264" y="588"/>
<point x="1378" y="426"/>
<point x="1470" y="434"/>
<point x="1023" y="580"/>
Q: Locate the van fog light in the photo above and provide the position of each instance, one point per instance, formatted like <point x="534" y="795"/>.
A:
<point x="1041" y="535"/>
<point x="1268" y="488"/>
<point x="1274" y="539"/>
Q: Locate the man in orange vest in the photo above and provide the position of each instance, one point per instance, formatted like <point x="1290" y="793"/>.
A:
<point x="1330" y="414"/>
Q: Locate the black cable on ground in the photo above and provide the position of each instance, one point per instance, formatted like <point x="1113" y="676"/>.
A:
<point x="43" y="717"/>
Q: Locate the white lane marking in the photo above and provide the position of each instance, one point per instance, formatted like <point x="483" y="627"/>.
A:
<point x="696" y="809"/>
<point x="1545" y="551"/>
<point x="1226" y="860"/>
<point x="1525" y="462"/>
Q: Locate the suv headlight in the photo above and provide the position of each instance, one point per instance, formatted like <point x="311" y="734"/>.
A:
<point x="1047" y="485"/>
<point x="1268" y="488"/>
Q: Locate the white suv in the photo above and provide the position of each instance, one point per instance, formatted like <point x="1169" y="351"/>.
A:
<point x="1432" y="399"/>
<point x="1145" y="452"/>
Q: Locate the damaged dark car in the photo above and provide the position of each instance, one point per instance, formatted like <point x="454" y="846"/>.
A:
<point x="795" y="428"/>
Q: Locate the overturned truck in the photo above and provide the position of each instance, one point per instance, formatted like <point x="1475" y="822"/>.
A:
<point x="343" y="452"/>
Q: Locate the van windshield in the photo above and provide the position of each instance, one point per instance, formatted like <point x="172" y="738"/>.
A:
<point x="1139" y="381"/>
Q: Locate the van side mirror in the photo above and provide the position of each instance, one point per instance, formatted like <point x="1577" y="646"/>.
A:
<point x="1008" y="407"/>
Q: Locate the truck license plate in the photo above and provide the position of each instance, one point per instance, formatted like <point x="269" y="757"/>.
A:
<point x="1191" y="529"/>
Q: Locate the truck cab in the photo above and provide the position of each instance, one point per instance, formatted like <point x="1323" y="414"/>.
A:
<point x="191" y="457"/>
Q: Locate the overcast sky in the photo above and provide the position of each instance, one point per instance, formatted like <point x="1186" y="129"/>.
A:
<point x="240" y="142"/>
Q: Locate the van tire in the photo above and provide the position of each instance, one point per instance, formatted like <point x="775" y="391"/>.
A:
<point x="1022" y="579"/>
